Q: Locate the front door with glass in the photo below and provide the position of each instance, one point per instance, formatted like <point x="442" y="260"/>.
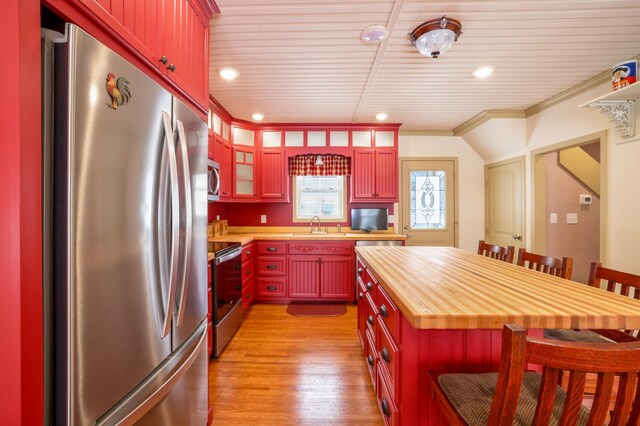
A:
<point x="427" y="202"/>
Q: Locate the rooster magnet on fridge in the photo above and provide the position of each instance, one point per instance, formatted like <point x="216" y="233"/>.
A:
<point x="118" y="90"/>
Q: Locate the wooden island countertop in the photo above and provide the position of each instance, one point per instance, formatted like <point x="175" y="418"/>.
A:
<point x="449" y="288"/>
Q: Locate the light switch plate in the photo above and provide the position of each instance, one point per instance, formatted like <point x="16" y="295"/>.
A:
<point x="553" y="218"/>
<point x="572" y="218"/>
<point x="263" y="218"/>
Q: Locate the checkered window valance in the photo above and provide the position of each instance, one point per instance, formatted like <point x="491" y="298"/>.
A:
<point x="333" y="165"/>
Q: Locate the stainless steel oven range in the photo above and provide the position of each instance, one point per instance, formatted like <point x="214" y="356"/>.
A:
<point x="227" y="294"/>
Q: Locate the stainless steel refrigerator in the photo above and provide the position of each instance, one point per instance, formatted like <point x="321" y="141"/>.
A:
<point x="125" y="231"/>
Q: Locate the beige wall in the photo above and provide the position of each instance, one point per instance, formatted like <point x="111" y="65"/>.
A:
<point x="470" y="180"/>
<point x="621" y="204"/>
<point x="580" y="241"/>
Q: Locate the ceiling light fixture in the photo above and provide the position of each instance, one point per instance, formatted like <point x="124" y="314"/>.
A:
<point x="257" y="116"/>
<point x="374" y="34"/>
<point x="434" y="37"/>
<point x="228" y="73"/>
<point x="319" y="161"/>
<point x="381" y="116"/>
<point x="483" y="71"/>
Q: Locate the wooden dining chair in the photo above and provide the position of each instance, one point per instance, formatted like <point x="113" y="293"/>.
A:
<point x="496" y="252"/>
<point x="549" y="265"/>
<point x="531" y="398"/>
<point x="618" y="282"/>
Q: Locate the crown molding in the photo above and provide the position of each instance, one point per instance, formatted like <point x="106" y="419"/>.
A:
<point x="576" y="90"/>
<point x="425" y="132"/>
<point x="485" y="116"/>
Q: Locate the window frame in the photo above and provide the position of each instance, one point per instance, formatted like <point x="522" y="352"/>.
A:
<point x="342" y="219"/>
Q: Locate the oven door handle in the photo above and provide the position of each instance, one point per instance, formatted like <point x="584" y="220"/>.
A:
<point x="228" y="256"/>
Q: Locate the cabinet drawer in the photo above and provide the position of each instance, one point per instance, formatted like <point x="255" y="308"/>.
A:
<point x="369" y="281"/>
<point x="386" y="402"/>
<point x="267" y="247"/>
<point x="360" y="269"/>
<point x="248" y="252"/>
<point x="389" y="313"/>
<point x="388" y="356"/>
<point x="371" y="356"/>
<point x="272" y="265"/>
<point x="247" y="296"/>
<point x="247" y="272"/>
<point x="371" y="314"/>
<point x="271" y="287"/>
<point x="324" y="248"/>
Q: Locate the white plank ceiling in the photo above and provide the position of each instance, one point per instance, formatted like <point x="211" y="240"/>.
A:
<point x="303" y="61"/>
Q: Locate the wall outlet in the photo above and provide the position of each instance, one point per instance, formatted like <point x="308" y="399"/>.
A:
<point x="586" y="199"/>
<point x="217" y="217"/>
<point x="572" y="218"/>
<point x="553" y="218"/>
<point x="263" y="218"/>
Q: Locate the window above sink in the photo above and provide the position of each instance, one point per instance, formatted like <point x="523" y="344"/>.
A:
<point x="321" y="196"/>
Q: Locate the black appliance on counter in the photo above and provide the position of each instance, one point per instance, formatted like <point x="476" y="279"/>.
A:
<point x="226" y="293"/>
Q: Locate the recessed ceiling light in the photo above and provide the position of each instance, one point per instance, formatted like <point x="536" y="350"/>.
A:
<point x="257" y="116"/>
<point x="228" y="73"/>
<point x="381" y="116"/>
<point x="374" y="34"/>
<point x="483" y="71"/>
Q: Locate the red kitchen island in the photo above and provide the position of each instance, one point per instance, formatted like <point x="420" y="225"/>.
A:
<point x="442" y="308"/>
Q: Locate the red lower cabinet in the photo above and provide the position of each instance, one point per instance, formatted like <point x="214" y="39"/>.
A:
<point x="386" y="402"/>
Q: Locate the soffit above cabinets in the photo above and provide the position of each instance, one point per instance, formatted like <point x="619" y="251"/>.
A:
<point x="302" y="61"/>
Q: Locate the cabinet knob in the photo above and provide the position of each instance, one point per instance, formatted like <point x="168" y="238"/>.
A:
<point x="370" y="319"/>
<point x="272" y="266"/>
<point x="369" y="286"/>
<point x="272" y="288"/>
<point x="359" y="271"/>
<point x="249" y="253"/>
<point x="238" y="287"/>
<point x="171" y="67"/>
<point x="385" y="407"/>
<point x="383" y="311"/>
<point x="247" y="272"/>
<point x="385" y="355"/>
<point x="370" y="359"/>
<point x="164" y="60"/>
<point x="248" y="296"/>
<point x="225" y="193"/>
<point x="272" y="249"/>
<point x="360" y="295"/>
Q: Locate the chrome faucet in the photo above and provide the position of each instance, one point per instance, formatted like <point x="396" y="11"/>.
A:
<point x="339" y="229"/>
<point x="311" y="223"/>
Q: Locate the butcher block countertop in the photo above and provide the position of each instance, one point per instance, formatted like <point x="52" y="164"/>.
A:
<point x="449" y="288"/>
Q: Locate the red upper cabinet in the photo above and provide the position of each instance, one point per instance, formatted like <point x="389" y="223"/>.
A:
<point x="374" y="176"/>
<point x="171" y="35"/>
<point x="274" y="179"/>
<point x="244" y="172"/>
<point x="184" y="46"/>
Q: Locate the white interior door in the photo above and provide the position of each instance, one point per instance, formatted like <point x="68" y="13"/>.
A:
<point x="505" y="203"/>
<point x="427" y="202"/>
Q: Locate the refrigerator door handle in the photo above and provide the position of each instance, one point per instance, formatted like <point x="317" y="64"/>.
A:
<point x="158" y="384"/>
<point x="175" y="229"/>
<point x="184" y="156"/>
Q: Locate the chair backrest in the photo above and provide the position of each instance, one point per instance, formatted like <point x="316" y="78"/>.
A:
<point x="604" y="359"/>
<point x="549" y="265"/>
<point x="617" y="282"/>
<point x="496" y="252"/>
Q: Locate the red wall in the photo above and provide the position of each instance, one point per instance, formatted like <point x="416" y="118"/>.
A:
<point x="21" y="359"/>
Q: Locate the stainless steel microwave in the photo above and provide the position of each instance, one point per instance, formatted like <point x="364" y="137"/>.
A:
<point x="213" y="181"/>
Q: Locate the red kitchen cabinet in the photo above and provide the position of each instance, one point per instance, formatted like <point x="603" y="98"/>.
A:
<point x="374" y="177"/>
<point x="322" y="270"/>
<point x="184" y="49"/>
<point x="173" y="35"/>
<point x="271" y="269"/>
<point x="222" y="154"/>
<point x="274" y="179"/>
<point x="304" y="277"/>
<point x="244" y="174"/>
<point x="336" y="278"/>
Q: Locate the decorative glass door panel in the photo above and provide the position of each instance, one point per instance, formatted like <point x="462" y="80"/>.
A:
<point x="427" y="202"/>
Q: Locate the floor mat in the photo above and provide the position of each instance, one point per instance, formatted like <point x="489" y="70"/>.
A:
<point x="316" y="310"/>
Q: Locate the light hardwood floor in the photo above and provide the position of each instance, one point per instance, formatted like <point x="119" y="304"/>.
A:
<point x="285" y="370"/>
